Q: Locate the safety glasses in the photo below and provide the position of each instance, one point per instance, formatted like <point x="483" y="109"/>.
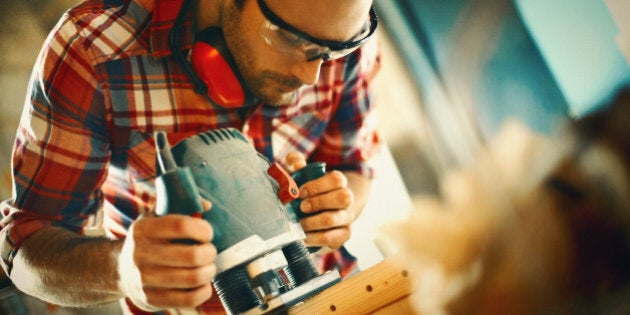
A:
<point x="291" y="41"/>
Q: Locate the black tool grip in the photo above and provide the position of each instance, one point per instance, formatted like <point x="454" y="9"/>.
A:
<point x="176" y="191"/>
<point x="308" y="173"/>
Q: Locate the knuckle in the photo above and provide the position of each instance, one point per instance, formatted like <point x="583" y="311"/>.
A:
<point x="200" y="255"/>
<point x="180" y="226"/>
<point x="310" y="239"/>
<point x="193" y="278"/>
<point x="345" y="197"/>
<point x="152" y="298"/>
<point x="342" y="236"/>
<point x="198" y="296"/>
<point x="145" y="277"/>
<point x="213" y="271"/>
<point x="338" y="179"/>
<point x="306" y="224"/>
<point x="326" y="238"/>
<point x="328" y="219"/>
<point x="189" y="299"/>
<point x="212" y="252"/>
<point x="139" y="255"/>
<point x="138" y="229"/>
<point x="197" y="256"/>
<point x="312" y="188"/>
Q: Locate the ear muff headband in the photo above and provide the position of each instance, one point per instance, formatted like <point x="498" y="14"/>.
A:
<point x="213" y="70"/>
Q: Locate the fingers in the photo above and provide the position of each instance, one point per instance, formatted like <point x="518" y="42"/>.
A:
<point x="333" y="238"/>
<point x="328" y="199"/>
<point x="328" y="228"/>
<point x="177" y="278"/>
<point x="338" y="199"/>
<point x="174" y="255"/>
<point x="326" y="220"/>
<point x="206" y="204"/>
<point x="331" y="181"/>
<point x="295" y="161"/>
<point x="157" y="272"/>
<point x="173" y="226"/>
<point x="154" y="237"/>
<point x="326" y="193"/>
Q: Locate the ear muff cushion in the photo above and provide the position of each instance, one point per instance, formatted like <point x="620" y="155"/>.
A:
<point x="214" y="66"/>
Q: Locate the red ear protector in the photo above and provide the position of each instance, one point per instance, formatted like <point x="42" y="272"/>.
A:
<point x="215" y="66"/>
<point x="212" y="68"/>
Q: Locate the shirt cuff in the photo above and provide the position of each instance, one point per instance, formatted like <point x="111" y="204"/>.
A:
<point x="16" y="225"/>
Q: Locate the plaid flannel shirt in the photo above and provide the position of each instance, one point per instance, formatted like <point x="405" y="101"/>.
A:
<point x="105" y="80"/>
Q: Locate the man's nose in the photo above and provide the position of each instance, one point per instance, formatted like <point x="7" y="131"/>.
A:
<point x="307" y="71"/>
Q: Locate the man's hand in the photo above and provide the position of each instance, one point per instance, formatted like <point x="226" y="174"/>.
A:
<point x="329" y="199"/>
<point x="157" y="272"/>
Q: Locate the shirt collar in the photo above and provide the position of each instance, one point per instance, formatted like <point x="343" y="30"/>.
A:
<point x="164" y="14"/>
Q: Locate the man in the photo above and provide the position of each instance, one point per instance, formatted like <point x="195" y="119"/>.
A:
<point x="107" y="78"/>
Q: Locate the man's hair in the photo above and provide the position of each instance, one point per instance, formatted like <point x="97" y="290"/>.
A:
<point x="239" y="4"/>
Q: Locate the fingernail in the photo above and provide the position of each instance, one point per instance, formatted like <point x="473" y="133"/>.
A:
<point x="206" y="205"/>
<point x="305" y="206"/>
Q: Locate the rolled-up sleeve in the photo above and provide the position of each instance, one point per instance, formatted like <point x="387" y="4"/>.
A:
<point x="61" y="149"/>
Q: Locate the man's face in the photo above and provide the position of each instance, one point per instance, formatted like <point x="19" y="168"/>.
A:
<point x="273" y="74"/>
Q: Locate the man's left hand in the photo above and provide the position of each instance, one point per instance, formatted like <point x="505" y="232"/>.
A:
<point x="327" y="200"/>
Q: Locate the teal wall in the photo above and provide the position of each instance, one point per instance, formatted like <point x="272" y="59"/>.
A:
<point x="577" y="39"/>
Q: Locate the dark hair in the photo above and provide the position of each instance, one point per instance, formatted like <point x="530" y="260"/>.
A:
<point x="239" y="4"/>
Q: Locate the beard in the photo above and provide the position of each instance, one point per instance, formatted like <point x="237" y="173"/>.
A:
<point x="275" y="89"/>
<point x="267" y="86"/>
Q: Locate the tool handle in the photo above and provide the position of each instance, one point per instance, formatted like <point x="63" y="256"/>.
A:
<point x="311" y="171"/>
<point x="287" y="187"/>
<point x="308" y="173"/>
<point x="176" y="191"/>
<point x="165" y="160"/>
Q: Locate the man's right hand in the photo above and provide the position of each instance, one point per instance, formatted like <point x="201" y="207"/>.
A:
<point x="156" y="272"/>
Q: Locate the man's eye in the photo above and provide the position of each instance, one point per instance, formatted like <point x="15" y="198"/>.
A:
<point x="290" y="38"/>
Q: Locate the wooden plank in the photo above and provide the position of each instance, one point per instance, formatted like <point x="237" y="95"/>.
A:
<point x="383" y="284"/>
<point x="402" y="306"/>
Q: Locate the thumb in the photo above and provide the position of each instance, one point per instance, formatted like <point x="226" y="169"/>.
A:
<point x="206" y="204"/>
<point x="294" y="161"/>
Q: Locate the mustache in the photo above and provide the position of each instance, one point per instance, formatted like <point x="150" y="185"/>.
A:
<point x="288" y="81"/>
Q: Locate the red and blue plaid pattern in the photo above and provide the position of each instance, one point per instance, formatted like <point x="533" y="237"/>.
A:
<point x="105" y="81"/>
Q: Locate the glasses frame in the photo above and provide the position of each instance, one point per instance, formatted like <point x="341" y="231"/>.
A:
<point x="330" y="44"/>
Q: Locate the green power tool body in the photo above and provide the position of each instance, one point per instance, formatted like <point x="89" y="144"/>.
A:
<point x="263" y="266"/>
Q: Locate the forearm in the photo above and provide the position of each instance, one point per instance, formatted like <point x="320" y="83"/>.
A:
<point x="360" y="187"/>
<point x="64" y="268"/>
